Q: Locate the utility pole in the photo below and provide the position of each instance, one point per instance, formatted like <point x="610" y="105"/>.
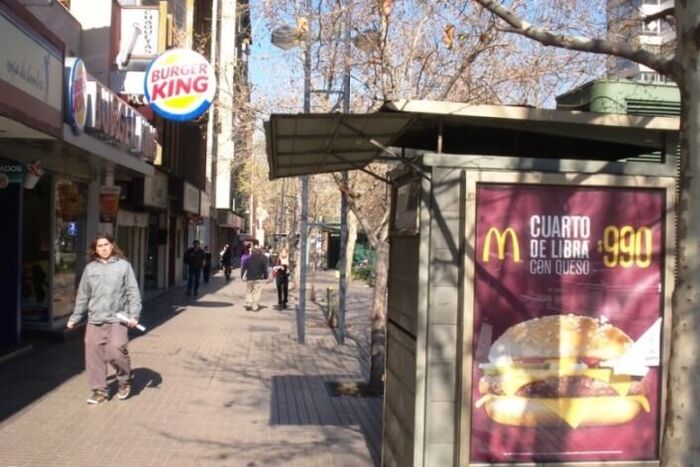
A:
<point x="304" y="221"/>
<point x="342" y="285"/>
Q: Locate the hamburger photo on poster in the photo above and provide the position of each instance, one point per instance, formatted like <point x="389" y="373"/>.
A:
<point x="567" y="323"/>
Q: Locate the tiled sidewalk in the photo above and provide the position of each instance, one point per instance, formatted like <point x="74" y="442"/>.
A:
<point x="213" y="385"/>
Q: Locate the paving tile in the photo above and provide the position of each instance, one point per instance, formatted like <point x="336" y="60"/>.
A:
<point x="213" y="385"/>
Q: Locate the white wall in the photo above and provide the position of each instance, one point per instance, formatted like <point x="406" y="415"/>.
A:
<point x="96" y="19"/>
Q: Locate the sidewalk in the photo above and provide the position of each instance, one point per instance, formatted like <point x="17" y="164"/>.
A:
<point x="213" y="385"/>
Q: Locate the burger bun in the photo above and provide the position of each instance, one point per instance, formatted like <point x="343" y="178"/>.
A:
<point x="575" y="412"/>
<point x="560" y="336"/>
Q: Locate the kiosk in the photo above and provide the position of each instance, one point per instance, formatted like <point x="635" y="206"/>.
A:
<point x="530" y="276"/>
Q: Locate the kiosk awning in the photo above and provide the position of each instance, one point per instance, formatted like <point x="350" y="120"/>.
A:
<point x="304" y="144"/>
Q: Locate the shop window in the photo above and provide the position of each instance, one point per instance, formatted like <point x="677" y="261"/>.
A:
<point x="36" y="252"/>
<point x="70" y="243"/>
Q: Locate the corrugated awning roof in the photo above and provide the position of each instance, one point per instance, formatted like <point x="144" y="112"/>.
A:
<point x="304" y="144"/>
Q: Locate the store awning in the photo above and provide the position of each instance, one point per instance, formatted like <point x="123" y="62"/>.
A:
<point x="304" y="144"/>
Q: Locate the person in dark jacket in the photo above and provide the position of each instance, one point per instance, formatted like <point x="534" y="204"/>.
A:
<point x="255" y="273"/>
<point x="226" y="260"/>
<point x="194" y="259"/>
<point x="107" y="287"/>
<point x="281" y="274"/>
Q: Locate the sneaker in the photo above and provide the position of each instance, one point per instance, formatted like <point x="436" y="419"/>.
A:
<point x="124" y="391"/>
<point x="97" y="397"/>
<point x="257" y="308"/>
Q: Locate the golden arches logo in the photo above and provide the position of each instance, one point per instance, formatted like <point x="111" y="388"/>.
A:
<point x="501" y="239"/>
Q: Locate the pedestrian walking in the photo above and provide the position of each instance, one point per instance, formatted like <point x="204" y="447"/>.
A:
<point x="226" y="258"/>
<point x="280" y="271"/>
<point x="244" y="258"/>
<point x="108" y="286"/>
<point x="194" y="259"/>
<point x="206" y="266"/>
<point x="255" y="272"/>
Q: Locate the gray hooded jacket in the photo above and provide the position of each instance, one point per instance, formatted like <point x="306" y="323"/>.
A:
<point x="106" y="289"/>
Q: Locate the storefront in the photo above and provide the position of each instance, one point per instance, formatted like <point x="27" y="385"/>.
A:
<point x="30" y="124"/>
<point x="185" y="227"/>
<point x="155" y="200"/>
<point x="229" y="224"/>
<point x="79" y="196"/>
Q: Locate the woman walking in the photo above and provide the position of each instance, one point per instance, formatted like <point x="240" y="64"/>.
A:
<point x="108" y="286"/>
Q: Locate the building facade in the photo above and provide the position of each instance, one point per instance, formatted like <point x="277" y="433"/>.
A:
<point x="81" y="151"/>
<point x="625" y="23"/>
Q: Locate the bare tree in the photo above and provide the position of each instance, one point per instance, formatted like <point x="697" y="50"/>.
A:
<point x="419" y="49"/>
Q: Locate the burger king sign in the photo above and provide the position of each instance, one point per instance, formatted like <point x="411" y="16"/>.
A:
<point x="180" y="84"/>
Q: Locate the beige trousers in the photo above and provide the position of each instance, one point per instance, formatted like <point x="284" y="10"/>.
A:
<point x="253" y="290"/>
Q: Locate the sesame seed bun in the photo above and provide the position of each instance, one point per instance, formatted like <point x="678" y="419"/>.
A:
<point x="560" y="336"/>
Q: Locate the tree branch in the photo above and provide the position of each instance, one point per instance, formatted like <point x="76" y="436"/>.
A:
<point x="663" y="14"/>
<point x="582" y="44"/>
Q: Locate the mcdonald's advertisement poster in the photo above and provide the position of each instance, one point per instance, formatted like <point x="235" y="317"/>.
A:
<point x="567" y="323"/>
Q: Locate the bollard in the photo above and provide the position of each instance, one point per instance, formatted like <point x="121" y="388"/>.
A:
<point x="331" y="308"/>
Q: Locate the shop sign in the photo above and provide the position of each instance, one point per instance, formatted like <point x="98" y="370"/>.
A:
<point x="10" y="172"/>
<point x="14" y="172"/>
<point x="109" y="203"/>
<point x="132" y="219"/>
<point x="229" y="219"/>
<point x="76" y="97"/>
<point x="180" y="85"/>
<point x="190" y="198"/>
<point x="155" y="191"/>
<point x="560" y="269"/>
<point x="145" y="21"/>
<point x="28" y="64"/>
<point x="113" y="120"/>
<point x="204" y="204"/>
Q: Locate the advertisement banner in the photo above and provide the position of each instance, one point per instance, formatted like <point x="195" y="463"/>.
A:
<point x="10" y="172"/>
<point x="109" y="203"/>
<point x="567" y="323"/>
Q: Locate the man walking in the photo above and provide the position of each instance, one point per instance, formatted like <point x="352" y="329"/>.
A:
<point x="255" y="272"/>
<point x="194" y="259"/>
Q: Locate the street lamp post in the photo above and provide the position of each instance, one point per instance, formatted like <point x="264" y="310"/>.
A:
<point x="304" y="221"/>
<point x="342" y="266"/>
<point x="286" y="38"/>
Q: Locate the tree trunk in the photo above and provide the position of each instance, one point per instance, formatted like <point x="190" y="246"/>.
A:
<point x="378" y="344"/>
<point x="681" y="444"/>
<point x="352" y="239"/>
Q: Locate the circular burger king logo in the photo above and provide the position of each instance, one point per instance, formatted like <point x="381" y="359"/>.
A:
<point x="180" y="84"/>
<point x="76" y="98"/>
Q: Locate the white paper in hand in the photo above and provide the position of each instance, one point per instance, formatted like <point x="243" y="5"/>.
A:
<point x="126" y="319"/>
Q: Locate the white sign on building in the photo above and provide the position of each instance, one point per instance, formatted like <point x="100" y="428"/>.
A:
<point x="28" y="65"/>
<point x="140" y="26"/>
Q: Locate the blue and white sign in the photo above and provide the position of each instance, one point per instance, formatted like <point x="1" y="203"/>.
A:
<point x="76" y="94"/>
